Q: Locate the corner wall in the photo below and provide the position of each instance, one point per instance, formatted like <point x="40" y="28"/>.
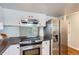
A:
<point x="73" y="31"/>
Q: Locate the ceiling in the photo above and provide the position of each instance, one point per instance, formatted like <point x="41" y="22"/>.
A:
<point x="51" y="9"/>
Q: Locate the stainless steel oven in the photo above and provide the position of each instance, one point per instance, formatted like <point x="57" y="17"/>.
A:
<point x="31" y="49"/>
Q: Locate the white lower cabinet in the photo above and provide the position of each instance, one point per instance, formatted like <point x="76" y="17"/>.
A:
<point x="46" y="47"/>
<point x="12" y="50"/>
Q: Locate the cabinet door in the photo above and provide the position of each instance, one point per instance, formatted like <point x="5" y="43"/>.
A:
<point x="1" y="14"/>
<point x="12" y="50"/>
<point x="42" y="22"/>
<point x="46" y="47"/>
<point x="11" y="17"/>
<point x="11" y="20"/>
<point x="1" y="18"/>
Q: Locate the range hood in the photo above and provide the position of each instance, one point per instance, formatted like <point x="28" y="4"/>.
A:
<point x="29" y="22"/>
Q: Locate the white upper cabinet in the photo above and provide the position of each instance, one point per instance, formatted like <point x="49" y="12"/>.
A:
<point x="1" y="14"/>
<point x="13" y="17"/>
<point x="42" y="20"/>
<point x="1" y="18"/>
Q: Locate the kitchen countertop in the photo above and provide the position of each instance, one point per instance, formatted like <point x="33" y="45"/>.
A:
<point x="16" y="40"/>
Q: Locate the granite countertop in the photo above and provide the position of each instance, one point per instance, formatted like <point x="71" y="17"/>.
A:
<point x="16" y="40"/>
<point x="3" y="48"/>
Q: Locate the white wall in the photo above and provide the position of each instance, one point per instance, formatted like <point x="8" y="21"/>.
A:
<point x="73" y="33"/>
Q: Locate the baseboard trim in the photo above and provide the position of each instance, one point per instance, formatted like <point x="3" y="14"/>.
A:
<point x="72" y="51"/>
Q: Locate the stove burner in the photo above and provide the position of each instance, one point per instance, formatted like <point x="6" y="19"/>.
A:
<point x="30" y="40"/>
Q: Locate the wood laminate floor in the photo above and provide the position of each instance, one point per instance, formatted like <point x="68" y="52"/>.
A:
<point x="72" y="51"/>
<point x="66" y="51"/>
